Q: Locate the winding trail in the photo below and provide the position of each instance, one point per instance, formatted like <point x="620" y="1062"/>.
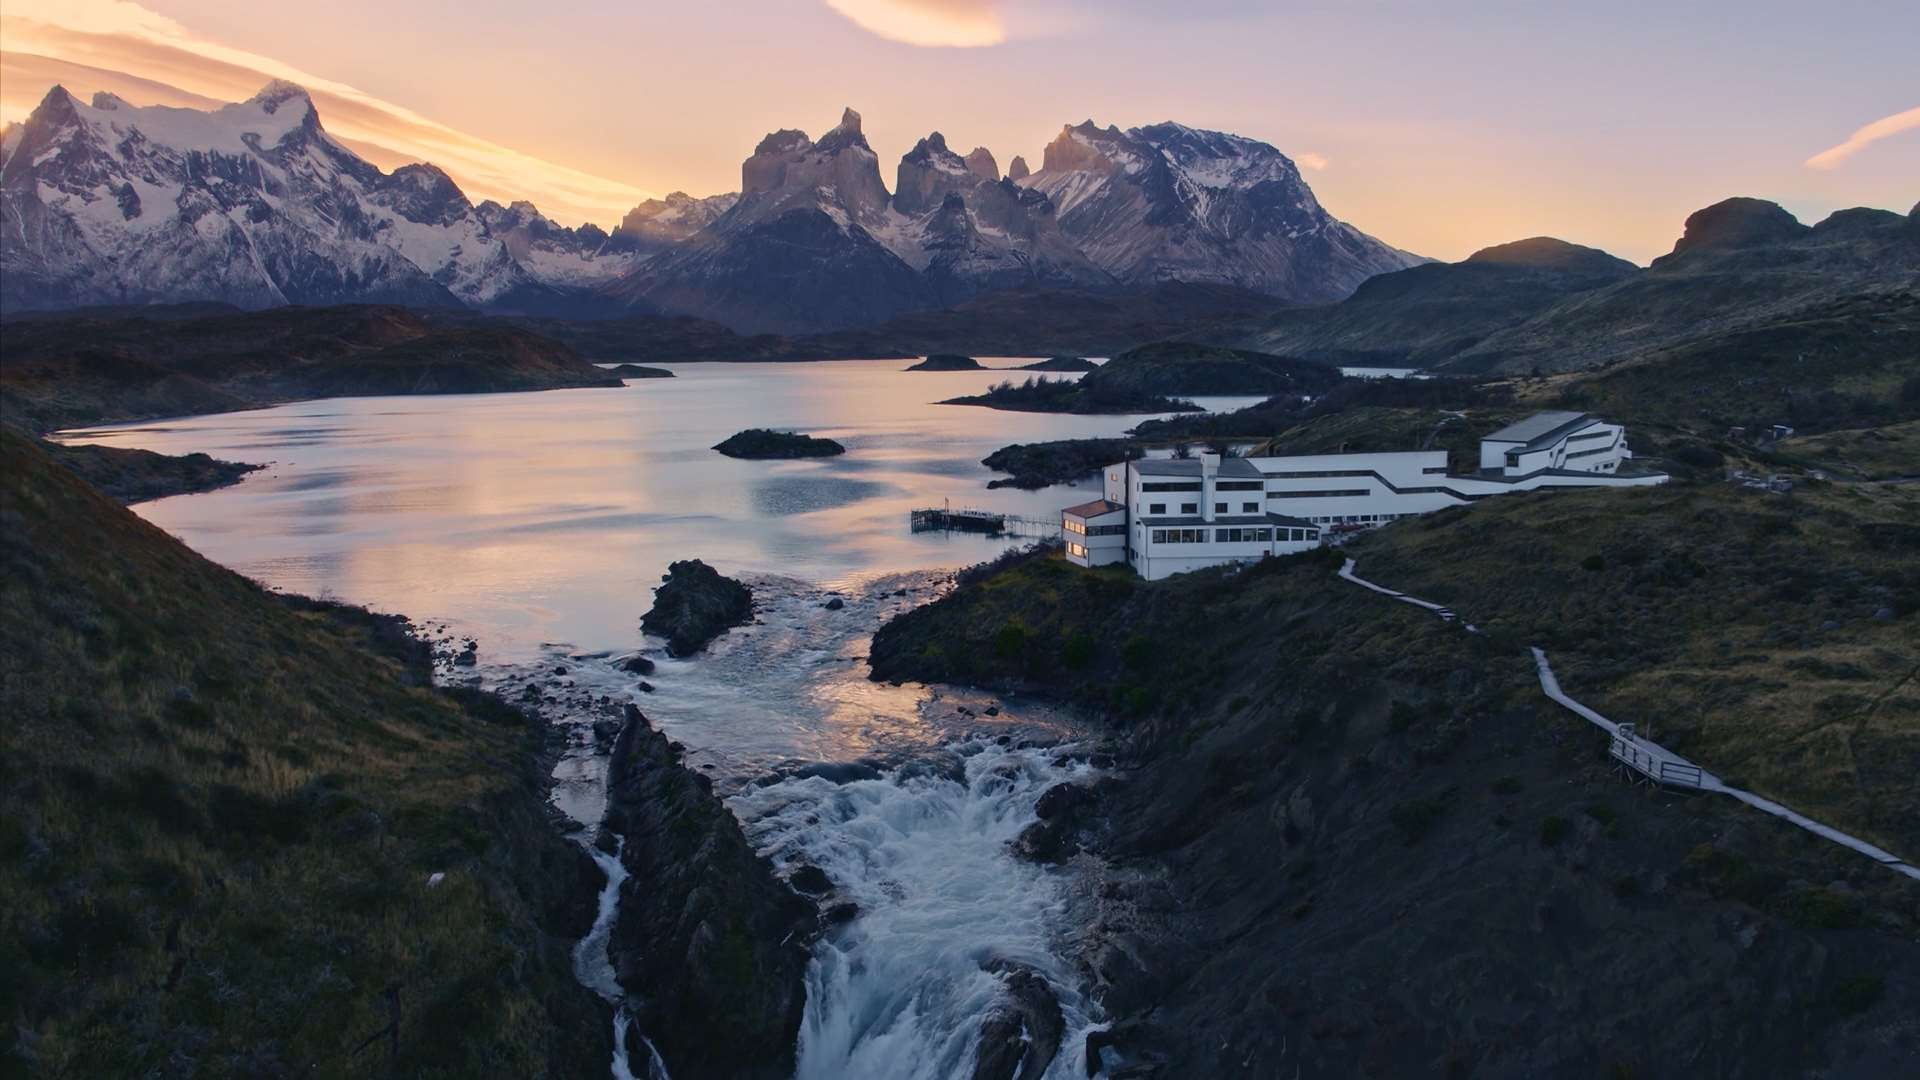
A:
<point x="1647" y="756"/>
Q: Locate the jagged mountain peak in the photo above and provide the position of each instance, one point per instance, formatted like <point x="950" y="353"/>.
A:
<point x="980" y="162"/>
<point x="1017" y="169"/>
<point x="106" y="101"/>
<point x="845" y="136"/>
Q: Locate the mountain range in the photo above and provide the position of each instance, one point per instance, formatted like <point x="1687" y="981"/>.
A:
<point x="254" y="204"/>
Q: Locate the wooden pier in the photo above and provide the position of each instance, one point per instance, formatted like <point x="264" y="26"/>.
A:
<point x="984" y="522"/>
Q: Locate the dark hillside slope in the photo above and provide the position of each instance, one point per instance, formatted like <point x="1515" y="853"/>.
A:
<point x="1741" y="263"/>
<point x="84" y="369"/>
<point x="1345" y="838"/>
<point x="219" y="814"/>
<point x="1428" y="314"/>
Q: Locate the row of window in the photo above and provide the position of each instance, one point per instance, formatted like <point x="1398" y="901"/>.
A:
<point x="1078" y="551"/>
<point x="1232" y="536"/>
<point x="1589" y="453"/>
<point x="1170" y="487"/>
<point x="1083" y="529"/>
<point x="1238" y="485"/>
<point x="1194" y="508"/>
<point x="1337" y="493"/>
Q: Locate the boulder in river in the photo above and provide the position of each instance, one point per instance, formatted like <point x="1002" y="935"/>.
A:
<point x="1021" y="1033"/>
<point x="694" y="605"/>
<point x="710" y="947"/>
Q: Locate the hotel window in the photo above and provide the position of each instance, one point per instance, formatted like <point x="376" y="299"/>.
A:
<point x="1238" y="485"/>
<point x="1266" y="536"/>
<point x="1076" y="550"/>
<point x="1189" y="508"/>
<point x="1156" y="508"/>
<point x="1250" y="508"/>
<point x="1219" y="508"/>
<point x="1189" y="486"/>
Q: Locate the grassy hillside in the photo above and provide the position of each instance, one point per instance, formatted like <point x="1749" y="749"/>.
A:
<point x="1775" y="639"/>
<point x="219" y="811"/>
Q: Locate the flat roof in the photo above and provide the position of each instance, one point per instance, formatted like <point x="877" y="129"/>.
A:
<point x="1232" y="468"/>
<point x="1539" y="426"/>
<point x="1094" y="509"/>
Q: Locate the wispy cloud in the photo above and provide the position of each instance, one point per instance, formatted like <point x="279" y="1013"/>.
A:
<point x="930" y="23"/>
<point x="97" y="42"/>
<point x="1885" y="127"/>
<point x="1311" y="160"/>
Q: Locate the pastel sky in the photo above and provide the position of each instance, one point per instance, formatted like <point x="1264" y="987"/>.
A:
<point x="1439" y="127"/>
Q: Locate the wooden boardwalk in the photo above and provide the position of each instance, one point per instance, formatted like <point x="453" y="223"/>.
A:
<point x="1648" y="758"/>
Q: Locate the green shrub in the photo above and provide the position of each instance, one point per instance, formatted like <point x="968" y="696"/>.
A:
<point x="1553" y="830"/>
<point x="1857" y="994"/>
<point x="1010" y="643"/>
<point x="1077" y="653"/>
<point x="1415" y="816"/>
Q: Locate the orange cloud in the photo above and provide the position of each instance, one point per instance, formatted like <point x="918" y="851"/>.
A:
<point x="1311" y="160"/>
<point x="932" y="23"/>
<point x="1882" y="128"/>
<point x="94" y="43"/>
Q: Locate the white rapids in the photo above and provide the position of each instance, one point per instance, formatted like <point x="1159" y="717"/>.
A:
<point x="900" y="991"/>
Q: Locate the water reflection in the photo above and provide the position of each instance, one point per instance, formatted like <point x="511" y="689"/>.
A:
<point x="524" y="518"/>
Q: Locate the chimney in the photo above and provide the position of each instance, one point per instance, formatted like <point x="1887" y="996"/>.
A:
<point x="1209" y="475"/>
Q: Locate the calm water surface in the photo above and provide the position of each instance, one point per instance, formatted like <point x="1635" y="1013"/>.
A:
<point x="547" y="517"/>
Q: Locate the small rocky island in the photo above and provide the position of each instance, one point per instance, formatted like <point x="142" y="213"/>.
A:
<point x="1061" y="363"/>
<point x="639" y="371"/>
<point x="694" y="605"/>
<point x="759" y="444"/>
<point x="947" y="362"/>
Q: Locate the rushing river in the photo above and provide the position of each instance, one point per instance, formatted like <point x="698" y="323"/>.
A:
<point x="538" y="524"/>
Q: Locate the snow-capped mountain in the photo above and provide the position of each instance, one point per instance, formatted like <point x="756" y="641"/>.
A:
<point x="1168" y="202"/>
<point x="254" y="204"/>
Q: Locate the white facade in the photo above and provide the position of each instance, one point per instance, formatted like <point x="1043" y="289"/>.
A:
<point x="1555" y="440"/>
<point x="1167" y="517"/>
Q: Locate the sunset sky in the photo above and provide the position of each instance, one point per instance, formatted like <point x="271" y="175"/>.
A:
<point x="1438" y="127"/>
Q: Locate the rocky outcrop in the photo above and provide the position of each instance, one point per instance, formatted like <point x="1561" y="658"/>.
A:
<point x="1061" y="363"/>
<point x="709" y="946"/>
<point x="981" y="164"/>
<point x="1736" y="222"/>
<point x="639" y="371"/>
<point x="1022" y="1031"/>
<point x="658" y="224"/>
<point x="761" y="444"/>
<point x="947" y="362"/>
<point x="696" y="604"/>
<point x="1017" y="169"/>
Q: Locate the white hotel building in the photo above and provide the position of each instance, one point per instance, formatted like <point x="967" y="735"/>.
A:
<point x="1166" y="517"/>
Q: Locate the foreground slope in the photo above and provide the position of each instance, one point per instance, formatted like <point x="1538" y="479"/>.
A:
<point x="219" y="814"/>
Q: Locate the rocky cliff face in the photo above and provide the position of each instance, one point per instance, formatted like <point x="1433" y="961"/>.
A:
<point x="710" y="947"/>
<point x="254" y="204"/>
<point x="1169" y="202"/>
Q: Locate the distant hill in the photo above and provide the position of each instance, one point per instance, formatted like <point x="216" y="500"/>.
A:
<point x="1430" y="314"/>
<point x="1546" y="305"/>
<point x="62" y="372"/>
